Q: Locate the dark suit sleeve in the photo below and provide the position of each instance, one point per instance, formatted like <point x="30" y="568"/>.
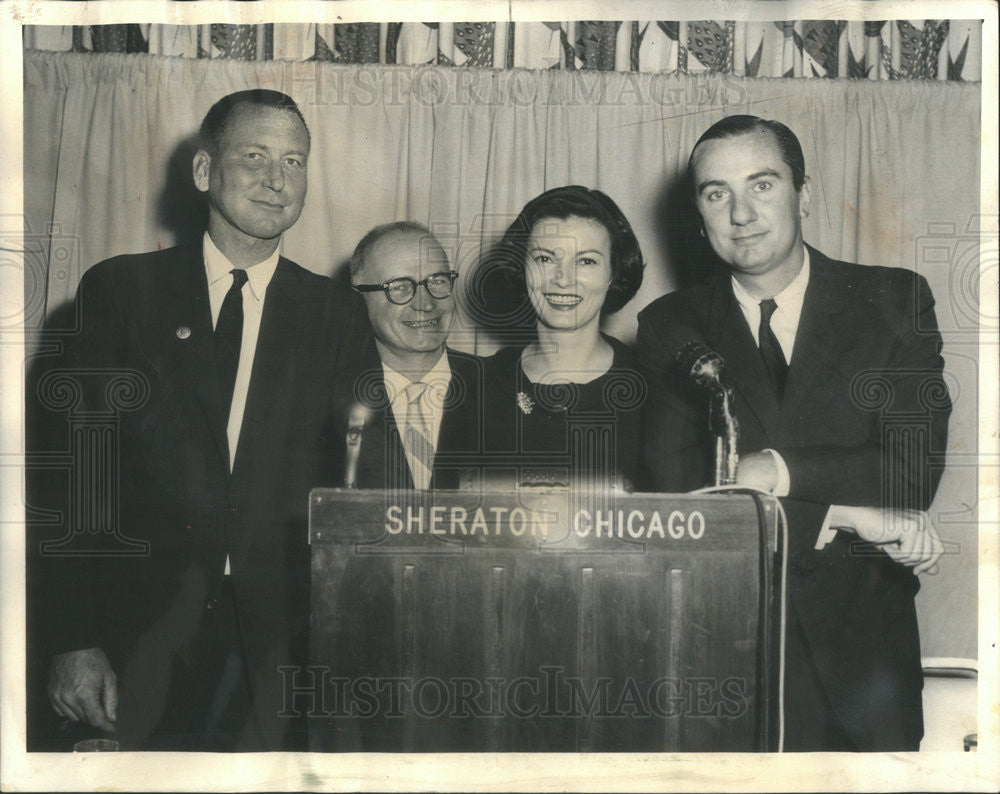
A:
<point x="75" y="384"/>
<point x="98" y="345"/>
<point x="901" y="463"/>
<point x="675" y="418"/>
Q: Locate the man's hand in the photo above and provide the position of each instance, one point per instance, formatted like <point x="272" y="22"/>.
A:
<point x="919" y="545"/>
<point x="908" y="536"/>
<point x="84" y="688"/>
<point x="757" y="470"/>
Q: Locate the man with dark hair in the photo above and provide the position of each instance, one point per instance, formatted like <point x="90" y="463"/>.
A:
<point x="788" y="144"/>
<point x="214" y="123"/>
<point x="806" y="340"/>
<point x="418" y="399"/>
<point x="235" y="350"/>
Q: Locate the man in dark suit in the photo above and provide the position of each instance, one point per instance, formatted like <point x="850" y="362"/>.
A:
<point x="233" y="351"/>
<point x="416" y="400"/>
<point x="840" y="401"/>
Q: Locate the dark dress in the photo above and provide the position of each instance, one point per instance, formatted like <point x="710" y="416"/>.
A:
<point x="562" y="434"/>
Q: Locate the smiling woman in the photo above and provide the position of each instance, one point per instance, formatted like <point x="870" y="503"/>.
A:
<point x="564" y="408"/>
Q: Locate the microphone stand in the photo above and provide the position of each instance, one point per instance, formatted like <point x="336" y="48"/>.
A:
<point x="707" y="368"/>
<point x="356" y="419"/>
<point x="723" y="425"/>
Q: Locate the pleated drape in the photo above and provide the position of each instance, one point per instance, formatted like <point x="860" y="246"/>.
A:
<point x="108" y="149"/>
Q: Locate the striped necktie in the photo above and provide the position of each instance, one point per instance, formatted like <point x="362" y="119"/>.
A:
<point x="418" y="435"/>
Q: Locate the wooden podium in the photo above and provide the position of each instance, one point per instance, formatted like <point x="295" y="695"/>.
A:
<point x="541" y="621"/>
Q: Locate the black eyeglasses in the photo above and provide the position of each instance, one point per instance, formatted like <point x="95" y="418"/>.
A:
<point x="401" y="290"/>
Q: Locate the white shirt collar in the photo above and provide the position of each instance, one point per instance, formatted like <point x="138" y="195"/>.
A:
<point x="437" y="378"/>
<point x="789" y="299"/>
<point x="218" y="267"/>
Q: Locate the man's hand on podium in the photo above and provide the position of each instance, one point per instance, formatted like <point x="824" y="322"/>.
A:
<point x="758" y="470"/>
<point x="908" y="536"/>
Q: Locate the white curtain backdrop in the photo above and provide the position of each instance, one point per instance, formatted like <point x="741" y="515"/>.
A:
<point x="894" y="167"/>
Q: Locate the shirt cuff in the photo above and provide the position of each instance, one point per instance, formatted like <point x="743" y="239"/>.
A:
<point x="784" y="479"/>
<point x="826" y="532"/>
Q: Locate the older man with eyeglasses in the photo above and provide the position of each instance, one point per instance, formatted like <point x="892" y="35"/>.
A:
<point x="414" y="406"/>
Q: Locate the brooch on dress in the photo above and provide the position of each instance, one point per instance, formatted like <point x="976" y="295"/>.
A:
<point x="525" y="403"/>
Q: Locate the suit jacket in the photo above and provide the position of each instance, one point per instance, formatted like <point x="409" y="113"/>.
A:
<point x="382" y="460"/>
<point x="145" y="321"/>
<point x="863" y="421"/>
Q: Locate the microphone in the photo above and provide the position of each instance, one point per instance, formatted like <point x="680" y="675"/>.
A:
<point x="357" y="418"/>
<point x="708" y="369"/>
<point x="704" y="366"/>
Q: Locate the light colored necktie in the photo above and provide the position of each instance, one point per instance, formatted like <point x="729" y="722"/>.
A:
<point x="418" y="435"/>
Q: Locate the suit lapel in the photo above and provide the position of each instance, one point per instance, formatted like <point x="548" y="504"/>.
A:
<point x="729" y="335"/>
<point x="275" y="355"/>
<point x="382" y="461"/>
<point x="822" y="334"/>
<point x="457" y="434"/>
<point x="450" y="435"/>
<point x="190" y="316"/>
<point x="397" y="467"/>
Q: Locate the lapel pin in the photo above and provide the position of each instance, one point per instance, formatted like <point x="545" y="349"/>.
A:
<point x="183" y="332"/>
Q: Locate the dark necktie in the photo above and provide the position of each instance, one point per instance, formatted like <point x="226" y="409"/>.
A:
<point x="770" y="350"/>
<point x="228" y="335"/>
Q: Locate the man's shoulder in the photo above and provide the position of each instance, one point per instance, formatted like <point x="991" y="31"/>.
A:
<point x="889" y="290"/>
<point x="135" y="281"/>
<point x="303" y="276"/>
<point x="312" y="294"/>
<point x="854" y="275"/>
<point x="467" y="377"/>
<point x="464" y="362"/>
<point x="143" y="265"/>
<point x="683" y="305"/>
<point x="465" y="391"/>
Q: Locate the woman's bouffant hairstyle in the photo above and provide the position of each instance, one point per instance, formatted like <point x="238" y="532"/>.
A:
<point x="500" y="290"/>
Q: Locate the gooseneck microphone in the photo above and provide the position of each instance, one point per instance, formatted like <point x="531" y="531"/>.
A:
<point x="357" y="417"/>
<point x="707" y="368"/>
